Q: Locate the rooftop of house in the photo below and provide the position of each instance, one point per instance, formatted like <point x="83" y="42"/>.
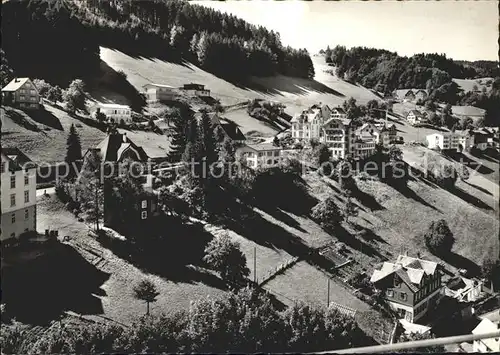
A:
<point x="15" y="84"/>
<point x="17" y="159"/>
<point x="488" y="326"/>
<point x="344" y="121"/>
<point x="233" y="131"/>
<point x="112" y="105"/>
<point x="113" y="146"/>
<point x="416" y="113"/>
<point x="263" y="147"/>
<point x="404" y="92"/>
<point x="410" y="269"/>
<point x="467" y="110"/>
<point x="159" y="85"/>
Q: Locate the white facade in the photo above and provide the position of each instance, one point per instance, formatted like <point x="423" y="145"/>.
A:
<point x="307" y="125"/>
<point x="486" y="345"/>
<point x="18" y="198"/>
<point x="449" y="141"/>
<point x="260" y="156"/>
<point x="114" y="111"/>
<point x="158" y="92"/>
<point x="414" y="117"/>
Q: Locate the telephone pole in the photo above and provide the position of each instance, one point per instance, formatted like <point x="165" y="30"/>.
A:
<point x="255" y="264"/>
<point x="328" y="294"/>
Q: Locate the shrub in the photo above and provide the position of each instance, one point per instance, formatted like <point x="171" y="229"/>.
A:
<point x="439" y="238"/>
<point x="327" y="214"/>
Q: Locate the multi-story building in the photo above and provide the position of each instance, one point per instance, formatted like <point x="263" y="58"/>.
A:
<point x="115" y="112"/>
<point x="307" y="125"/>
<point x="21" y="92"/>
<point x="196" y="89"/>
<point x="263" y="155"/>
<point x="114" y="150"/>
<point x="387" y="134"/>
<point x="339" y="136"/>
<point x="411" y="286"/>
<point x="18" y="194"/>
<point x="457" y="141"/>
<point x="415" y="117"/>
<point x="410" y="94"/>
<point x="158" y="92"/>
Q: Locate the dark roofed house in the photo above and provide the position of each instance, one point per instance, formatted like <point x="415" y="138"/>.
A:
<point x="115" y="150"/>
<point x="233" y="132"/>
<point x="196" y="89"/>
<point x="411" y="286"/>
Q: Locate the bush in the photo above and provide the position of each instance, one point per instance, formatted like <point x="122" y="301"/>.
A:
<point x="439" y="238"/>
<point x="327" y="214"/>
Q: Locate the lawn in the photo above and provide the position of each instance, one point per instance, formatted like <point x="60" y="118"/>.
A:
<point x="114" y="295"/>
<point x="305" y="283"/>
<point x="468" y="84"/>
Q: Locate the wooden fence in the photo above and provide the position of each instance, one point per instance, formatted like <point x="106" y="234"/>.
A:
<point x="348" y="311"/>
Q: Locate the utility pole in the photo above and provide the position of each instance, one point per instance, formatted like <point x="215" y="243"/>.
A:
<point x="328" y="294"/>
<point x="255" y="264"/>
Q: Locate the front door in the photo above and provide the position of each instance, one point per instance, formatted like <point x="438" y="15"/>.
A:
<point x="409" y="316"/>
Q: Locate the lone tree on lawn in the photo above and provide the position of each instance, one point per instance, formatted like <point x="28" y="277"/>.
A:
<point x="146" y="291"/>
<point x="439" y="238"/>
<point x="350" y="209"/>
<point x="225" y="257"/>
<point x="327" y="214"/>
<point x="73" y="150"/>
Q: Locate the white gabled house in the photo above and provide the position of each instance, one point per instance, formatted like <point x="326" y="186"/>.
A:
<point x="115" y="112"/>
<point x="158" y="92"/>
<point x="263" y="155"/>
<point x="21" y="92"/>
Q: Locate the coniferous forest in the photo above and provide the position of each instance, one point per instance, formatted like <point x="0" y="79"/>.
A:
<point x="65" y="37"/>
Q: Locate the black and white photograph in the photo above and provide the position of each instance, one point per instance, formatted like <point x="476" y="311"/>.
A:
<point x="250" y="176"/>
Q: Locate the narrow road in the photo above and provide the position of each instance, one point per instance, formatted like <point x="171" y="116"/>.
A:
<point x="48" y="190"/>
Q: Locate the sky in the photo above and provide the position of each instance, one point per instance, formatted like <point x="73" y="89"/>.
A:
<point x="463" y="30"/>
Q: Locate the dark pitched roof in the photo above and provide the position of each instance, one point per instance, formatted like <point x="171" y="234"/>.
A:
<point x="17" y="159"/>
<point x="113" y="145"/>
<point x="233" y="132"/>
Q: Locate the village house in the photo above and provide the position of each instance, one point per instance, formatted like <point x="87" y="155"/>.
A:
<point x="410" y="95"/>
<point x="490" y="345"/>
<point x="307" y="125"/>
<point x="196" y="90"/>
<point x="18" y="195"/>
<point x="339" y="136"/>
<point x="21" y="92"/>
<point x="411" y="286"/>
<point x="117" y="113"/>
<point x="387" y="133"/>
<point x="158" y="92"/>
<point x="464" y="289"/>
<point x="457" y="141"/>
<point x="114" y="150"/>
<point x="486" y="137"/>
<point x="263" y="155"/>
<point x="229" y="128"/>
<point x="415" y="117"/>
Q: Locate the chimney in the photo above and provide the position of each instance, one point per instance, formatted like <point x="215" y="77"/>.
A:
<point x="15" y="80"/>
<point x="124" y="135"/>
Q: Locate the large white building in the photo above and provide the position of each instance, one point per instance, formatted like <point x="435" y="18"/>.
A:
<point x="264" y="155"/>
<point x="115" y="112"/>
<point x="18" y="177"/>
<point x="159" y="92"/>
<point x="307" y="124"/>
<point x="457" y="141"/>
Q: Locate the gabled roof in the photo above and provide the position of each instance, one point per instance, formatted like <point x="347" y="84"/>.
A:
<point x="233" y="131"/>
<point x="15" y="84"/>
<point x="487" y="326"/>
<point x="116" y="106"/>
<point x="112" y="147"/>
<point x="403" y="92"/>
<point x="344" y="121"/>
<point x="411" y="270"/>
<point x="263" y="146"/>
<point x="338" y="109"/>
<point x="417" y="113"/>
<point x="17" y="159"/>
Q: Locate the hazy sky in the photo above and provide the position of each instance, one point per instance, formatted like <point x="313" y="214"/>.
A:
<point x="462" y="29"/>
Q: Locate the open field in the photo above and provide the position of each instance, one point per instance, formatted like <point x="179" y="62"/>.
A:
<point x="468" y="84"/>
<point x="296" y="93"/>
<point x="42" y="136"/>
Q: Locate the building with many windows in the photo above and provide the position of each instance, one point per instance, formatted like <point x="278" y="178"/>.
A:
<point x="115" y="112"/>
<point x="457" y="141"/>
<point x="159" y="92"/>
<point x="21" y="92"/>
<point x="411" y="286"/>
<point x="18" y="177"/>
<point x="307" y="124"/>
<point x="263" y="155"/>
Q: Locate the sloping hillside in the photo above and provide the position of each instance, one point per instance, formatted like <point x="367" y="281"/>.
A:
<point x="295" y="93"/>
<point x="468" y="84"/>
<point x="42" y="135"/>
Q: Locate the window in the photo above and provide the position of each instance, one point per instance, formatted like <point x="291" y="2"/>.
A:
<point x="403" y="296"/>
<point x="21" y="97"/>
<point x="13" y="182"/>
<point x="12" y="200"/>
<point x="3" y="167"/>
<point x="269" y="161"/>
<point x="144" y="214"/>
<point x="277" y="153"/>
<point x="32" y="92"/>
<point x="144" y="204"/>
<point x="26" y="196"/>
<point x="390" y="293"/>
<point x="26" y="180"/>
<point x="22" y="91"/>
<point x="13" y="218"/>
<point x="26" y="214"/>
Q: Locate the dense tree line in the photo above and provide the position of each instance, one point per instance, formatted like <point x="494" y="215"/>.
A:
<point x="378" y="68"/>
<point x="45" y="41"/>
<point x="245" y="322"/>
